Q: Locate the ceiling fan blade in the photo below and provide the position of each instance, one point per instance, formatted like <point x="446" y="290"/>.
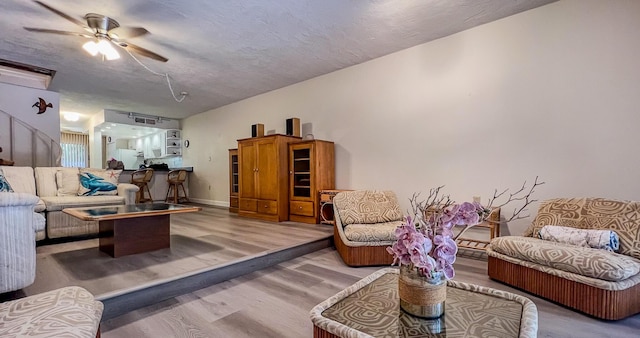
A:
<point x="66" y="16"/>
<point x="128" y="32"/>
<point x="55" y="31"/>
<point x="139" y="50"/>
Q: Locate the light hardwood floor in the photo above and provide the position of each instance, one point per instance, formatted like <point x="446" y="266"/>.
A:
<point x="268" y="302"/>
<point x="275" y="302"/>
<point x="199" y="241"/>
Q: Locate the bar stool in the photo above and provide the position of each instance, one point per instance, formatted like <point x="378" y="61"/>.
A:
<point x="141" y="178"/>
<point x="175" y="178"/>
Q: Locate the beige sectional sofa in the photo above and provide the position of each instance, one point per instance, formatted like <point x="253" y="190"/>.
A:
<point x="57" y="189"/>
<point x="598" y="282"/>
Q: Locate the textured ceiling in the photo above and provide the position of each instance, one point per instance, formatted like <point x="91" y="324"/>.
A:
<point x="224" y="51"/>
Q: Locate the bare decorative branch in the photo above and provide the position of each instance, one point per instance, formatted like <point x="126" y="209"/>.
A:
<point x="435" y="204"/>
<point x="514" y="197"/>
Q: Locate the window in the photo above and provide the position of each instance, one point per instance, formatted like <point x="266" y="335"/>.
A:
<point x="75" y="149"/>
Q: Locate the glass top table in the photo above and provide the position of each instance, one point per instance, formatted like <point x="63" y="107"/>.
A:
<point x="132" y="229"/>
<point x="371" y="308"/>
<point x="128" y="211"/>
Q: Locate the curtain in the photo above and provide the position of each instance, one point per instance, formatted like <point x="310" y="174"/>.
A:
<point x="75" y="149"/>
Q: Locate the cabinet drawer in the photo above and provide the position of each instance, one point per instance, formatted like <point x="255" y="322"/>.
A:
<point x="248" y="204"/>
<point x="233" y="202"/>
<point x="268" y="207"/>
<point x="301" y="208"/>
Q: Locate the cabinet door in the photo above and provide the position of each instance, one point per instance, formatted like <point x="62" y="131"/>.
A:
<point x="247" y="164"/>
<point x="301" y="180"/>
<point x="267" y="178"/>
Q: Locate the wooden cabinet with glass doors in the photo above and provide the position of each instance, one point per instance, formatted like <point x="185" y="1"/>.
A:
<point x="233" y="180"/>
<point x="311" y="169"/>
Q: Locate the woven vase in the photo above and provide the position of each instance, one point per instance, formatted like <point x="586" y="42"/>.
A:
<point x="421" y="296"/>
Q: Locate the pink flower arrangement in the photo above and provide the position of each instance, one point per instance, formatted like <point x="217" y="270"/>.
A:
<point x="427" y="242"/>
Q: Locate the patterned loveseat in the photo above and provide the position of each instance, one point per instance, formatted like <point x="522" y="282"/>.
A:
<point x="365" y="223"/>
<point x="597" y="282"/>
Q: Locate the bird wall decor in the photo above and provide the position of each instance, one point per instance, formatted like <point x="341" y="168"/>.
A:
<point x="42" y="105"/>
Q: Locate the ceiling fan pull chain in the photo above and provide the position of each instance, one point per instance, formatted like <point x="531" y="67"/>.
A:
<point x="183" y="95"/>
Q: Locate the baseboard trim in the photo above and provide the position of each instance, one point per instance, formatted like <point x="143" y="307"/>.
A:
<point x="210" y="202"/>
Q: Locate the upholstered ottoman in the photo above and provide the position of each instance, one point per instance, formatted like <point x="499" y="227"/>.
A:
<point x="66" y="312"/>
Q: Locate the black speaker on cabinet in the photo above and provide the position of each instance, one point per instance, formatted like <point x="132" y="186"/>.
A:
<point x="257" y="130"/>
<point x="293" y="126"/>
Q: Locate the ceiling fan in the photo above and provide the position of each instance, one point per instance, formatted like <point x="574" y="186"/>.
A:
<point x="104" y="32"/>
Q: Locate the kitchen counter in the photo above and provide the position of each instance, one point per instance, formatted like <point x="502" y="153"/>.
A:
<point x="158" y="185"/>
<point x="188" y="169"/>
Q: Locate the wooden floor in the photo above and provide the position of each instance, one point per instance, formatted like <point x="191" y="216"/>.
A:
<point x="269" y="302"/>
<point x="199" y="241"/>
<point x="275" y="302"/>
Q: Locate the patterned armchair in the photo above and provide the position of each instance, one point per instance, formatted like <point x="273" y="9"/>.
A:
<point x="69" y="312"/>
<point x="598" y="282"/>
<point x="364" y="226"/>
<point x="18" y="226"/>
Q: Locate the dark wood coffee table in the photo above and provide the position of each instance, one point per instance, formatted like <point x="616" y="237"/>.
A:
<point x="132" y="229"/>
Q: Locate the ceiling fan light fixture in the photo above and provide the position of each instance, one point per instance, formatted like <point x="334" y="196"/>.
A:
<point x="106" y="48"/>
<point x="103" y="47"/>
<point x="91" y="47"/>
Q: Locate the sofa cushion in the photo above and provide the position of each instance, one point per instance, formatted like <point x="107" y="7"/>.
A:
<point x="98" y="182"/>
<point x="40" y="207"/>
<point x="372" y="232"/>
<point x="20" y="178"/>
<point x="67" y="181"/>
<point x="367" y="207"/>
<point x="593" y="213"/>
<point x="46" y="181"/>
<point x="57" y="203"/>
<point x="39" y="222"/>
<point x="589" y="262"/>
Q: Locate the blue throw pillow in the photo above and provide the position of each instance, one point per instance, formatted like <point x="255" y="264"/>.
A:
<point x="4" y="185"/>
<point x="99" y="182"/>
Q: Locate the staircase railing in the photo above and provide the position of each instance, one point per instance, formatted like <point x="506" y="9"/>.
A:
<point x="27" y="146"/>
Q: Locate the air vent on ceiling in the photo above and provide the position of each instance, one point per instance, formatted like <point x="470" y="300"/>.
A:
<point x="144" y="120"/>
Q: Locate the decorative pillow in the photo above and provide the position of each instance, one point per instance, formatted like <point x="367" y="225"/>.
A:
<point x="98" y="182"/>
<point x="597" y="239"/>
<point x="4" y="184"/>
<point x="68" y="182"/>
<point x="367" y="207"/>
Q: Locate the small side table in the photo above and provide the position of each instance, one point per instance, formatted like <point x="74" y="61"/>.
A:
<point x="492" y="223"/>
<point x="326" y="205"/>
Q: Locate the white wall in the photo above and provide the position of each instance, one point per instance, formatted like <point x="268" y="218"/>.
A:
<point x="18" y="101"/>
<point x="552" y="92"/>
